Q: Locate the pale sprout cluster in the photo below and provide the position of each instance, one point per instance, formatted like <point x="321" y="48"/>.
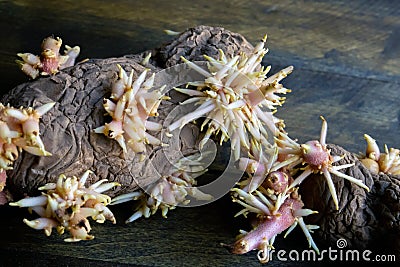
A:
<point x="19" y="130"/>
<point x="387" y="162"/>
<point x="270" y="194"/>
<point x="237" y="99"/>
<point x="169" y="191"/>
<point x="130" y="105"/>
<point x="50" y="60"/>
<point x="67" y="205"/>
<point x="317" y="158"/>
<point x="270" y="220"/>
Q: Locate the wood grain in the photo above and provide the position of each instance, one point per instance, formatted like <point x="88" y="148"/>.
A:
<point x="347" y="68"/>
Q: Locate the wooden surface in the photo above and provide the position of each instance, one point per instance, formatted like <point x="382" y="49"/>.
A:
<point x="347" y="68"/>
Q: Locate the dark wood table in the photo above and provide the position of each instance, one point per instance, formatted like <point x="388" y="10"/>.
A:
<point x="347" y="68"/>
